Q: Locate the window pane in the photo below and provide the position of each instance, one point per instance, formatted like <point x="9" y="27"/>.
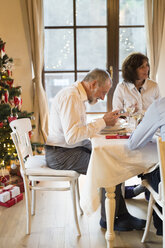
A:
<point x="131" y="12"/>
<point x="80" y="76"/>
<point x="59" y="49"/>
<point x="120" y="76"/>
<point x="130" y="42"/>
<point x="55" y="82"/>
<point x="54" y="12"/>
<point x="91" y="12"/>
<point x="91" y="48"/>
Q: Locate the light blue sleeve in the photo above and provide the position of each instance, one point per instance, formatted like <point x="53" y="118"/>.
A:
<point x="162" y="131"/>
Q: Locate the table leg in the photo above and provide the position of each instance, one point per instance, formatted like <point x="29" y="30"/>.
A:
<point x="110" y="214"/>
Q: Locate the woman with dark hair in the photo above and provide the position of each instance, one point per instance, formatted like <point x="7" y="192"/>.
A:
<point x="136" y="90"/>
<point x="135" y="94"/>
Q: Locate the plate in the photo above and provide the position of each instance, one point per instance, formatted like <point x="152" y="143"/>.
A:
<point x="108" y="131"/>
<point x="116" y="128"/>
<point x="120" y="125"/>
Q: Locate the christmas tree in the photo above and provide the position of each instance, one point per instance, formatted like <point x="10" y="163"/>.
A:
<point x="10" y="107"/>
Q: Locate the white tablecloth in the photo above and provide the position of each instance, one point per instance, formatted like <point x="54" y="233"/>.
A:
<point x="112" y="163"/>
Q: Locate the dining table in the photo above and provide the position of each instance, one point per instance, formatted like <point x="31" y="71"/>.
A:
<point x="112" y="163"/>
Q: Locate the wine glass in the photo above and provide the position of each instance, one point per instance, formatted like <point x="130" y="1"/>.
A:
<point x="130" y="120"/>
<point x="138" y="118"/>
<point x="130" y="110"/>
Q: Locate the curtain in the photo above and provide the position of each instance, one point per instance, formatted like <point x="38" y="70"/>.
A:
<point x="36" y="29"/>
<point x="154" y="22"/>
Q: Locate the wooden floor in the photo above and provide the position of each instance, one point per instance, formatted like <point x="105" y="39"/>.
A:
<point x="53" y="225"/>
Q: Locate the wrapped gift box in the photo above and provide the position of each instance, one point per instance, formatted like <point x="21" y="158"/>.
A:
<point x="12" y="201"/>
<point x="4" y="196"/>
<point x="14" y="190"/>
<point x="9" y="192"/>
<point x="17" y="181"/>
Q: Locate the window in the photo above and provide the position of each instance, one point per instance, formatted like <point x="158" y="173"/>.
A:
<point x="81" y="35"/>
<point x="131" y="29"/>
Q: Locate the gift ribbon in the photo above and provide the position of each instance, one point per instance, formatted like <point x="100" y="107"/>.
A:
<point x="7" y="190"/>
<point x="15" y="198"/>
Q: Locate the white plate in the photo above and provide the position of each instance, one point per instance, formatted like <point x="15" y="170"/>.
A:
<point x="120" y="125"/>
<point x="108" y="131"/>
<point x="116" y="128"/>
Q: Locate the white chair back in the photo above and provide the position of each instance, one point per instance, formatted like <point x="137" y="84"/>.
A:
<point x="21" y="131"/>
<point x="35" y="169"/>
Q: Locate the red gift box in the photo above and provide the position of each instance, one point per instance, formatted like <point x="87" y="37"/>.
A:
<point x="12" y="201"/>
<point x="9" y="192"/>
<point x="21" y="185"/>
<point x="17" y="181"/>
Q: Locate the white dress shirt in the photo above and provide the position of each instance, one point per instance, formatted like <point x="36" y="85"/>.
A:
<point x="67" y="122"/>
<point x="126" y="94"/>
<point x="154" y="118"/>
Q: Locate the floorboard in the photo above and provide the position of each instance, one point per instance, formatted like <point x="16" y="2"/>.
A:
<point x="53" y="225"/>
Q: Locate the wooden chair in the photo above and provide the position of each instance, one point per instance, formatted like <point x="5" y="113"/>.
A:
<point x="34" y="168"/>
<point x="155" y="197"/>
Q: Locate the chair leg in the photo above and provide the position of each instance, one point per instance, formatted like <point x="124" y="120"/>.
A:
<point x="28" y="203"/>
<point x="149" y="216"/>
<point x="123" y="189"/>
<point x="163" y="220"/>
<point x="78" y="196"/>
<point x="73" y="195"/>
<point x="33" y="198"/>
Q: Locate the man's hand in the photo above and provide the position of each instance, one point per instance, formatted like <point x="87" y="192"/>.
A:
<point x="111" y="118"/>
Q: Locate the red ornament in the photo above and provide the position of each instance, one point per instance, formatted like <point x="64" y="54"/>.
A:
<point x="10" y="82"/>
<point x="3" y="179"/>
<point x="3" y="48"/>
<point x="16" y="100"/>
<point x="11" y="118"/>
<point x="30" y="134"/>
<point x="12" y="102"/>
<point x="1" y="124"/>
<point x="6" y="96"/>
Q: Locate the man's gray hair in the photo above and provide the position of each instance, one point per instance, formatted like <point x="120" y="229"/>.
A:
<point x="97" y="74"/>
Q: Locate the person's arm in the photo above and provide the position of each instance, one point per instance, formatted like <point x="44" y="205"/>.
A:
<point x="162" y="132"/>
<point x="73" y="119"/>
<point x="145" y="130"/>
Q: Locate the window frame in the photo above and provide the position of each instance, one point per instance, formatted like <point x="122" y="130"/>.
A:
<point x="113" y="27"/>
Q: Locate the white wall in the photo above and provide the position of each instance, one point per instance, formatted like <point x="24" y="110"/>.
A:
<point x="161" y="68"/>
<point x="13" y="33"/>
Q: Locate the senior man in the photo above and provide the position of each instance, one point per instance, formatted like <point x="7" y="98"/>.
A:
<point x="68" y="145"/>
